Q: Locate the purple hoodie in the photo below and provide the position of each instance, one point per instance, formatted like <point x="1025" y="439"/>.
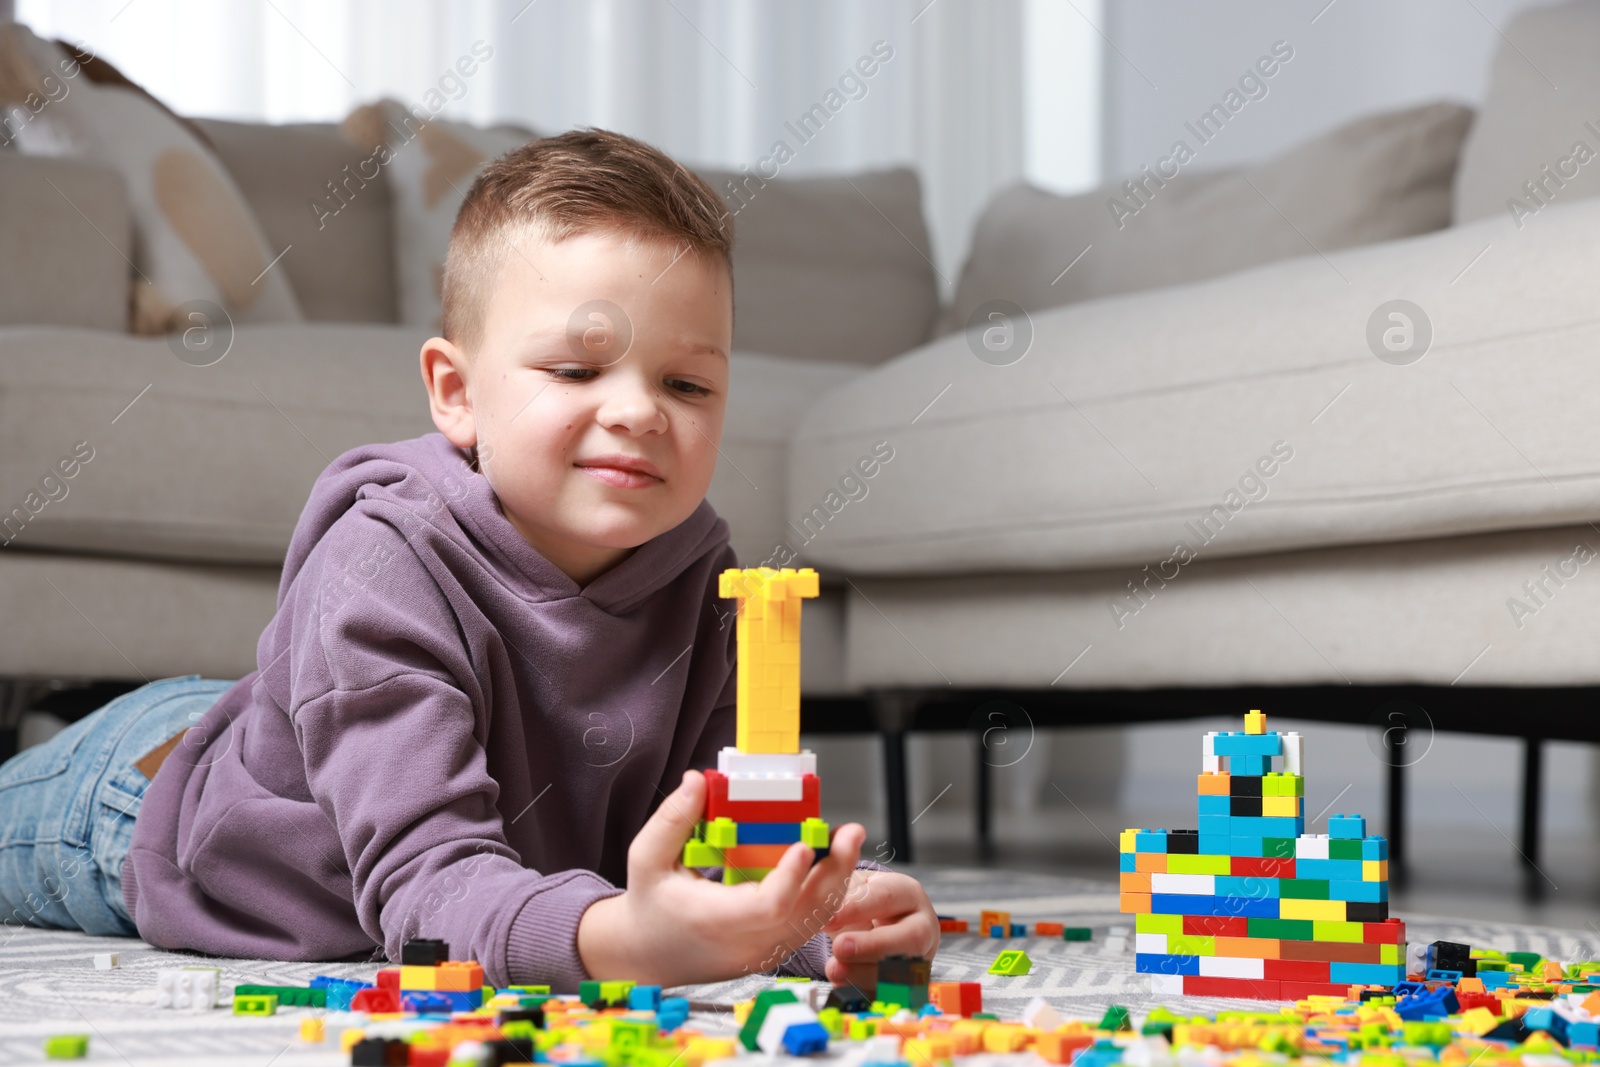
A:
<point x="445" y="737"/>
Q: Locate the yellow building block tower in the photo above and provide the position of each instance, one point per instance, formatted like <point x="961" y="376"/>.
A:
<point x="769" y="603"/>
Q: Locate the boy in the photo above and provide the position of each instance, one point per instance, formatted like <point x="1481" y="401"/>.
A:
<point x="498" y="654"/>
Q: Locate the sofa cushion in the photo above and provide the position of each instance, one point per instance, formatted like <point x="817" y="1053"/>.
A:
<point x="196" y="238"/>
<point x="836" y="269"/>
<point x="766" y="397"/>
<point x="57" y="266"/>
<point x="431" y="165"/>
<point x="326" y="201"/>
<point x="1131" y="420"/>
<point x="1374" y="179"/>
<point x="1540" y="121"/>
<point x="183" y="462"/>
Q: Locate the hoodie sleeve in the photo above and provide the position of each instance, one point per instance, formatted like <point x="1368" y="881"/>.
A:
<point x="393" y="748"/>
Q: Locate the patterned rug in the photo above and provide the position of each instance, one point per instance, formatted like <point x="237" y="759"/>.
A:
<point x="48" y="983"/>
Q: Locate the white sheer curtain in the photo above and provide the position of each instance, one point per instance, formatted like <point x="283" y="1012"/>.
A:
<point x="713" y="82"/>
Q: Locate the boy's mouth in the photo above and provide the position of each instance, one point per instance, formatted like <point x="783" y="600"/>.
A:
<point x="624" y="472"/>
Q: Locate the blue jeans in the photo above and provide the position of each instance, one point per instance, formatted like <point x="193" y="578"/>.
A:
<point x="67" y="807"/>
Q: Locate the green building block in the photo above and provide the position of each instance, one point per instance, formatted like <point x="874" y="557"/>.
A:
<point x="758" y="1014"/>
<point x="1159" y="1021"/>
<point x="792" y="979"/>
<point x="257" y="1005"/>
<point x="700" y="854"/>
<point x="616" y="992"/>
<point x="632" y="1033"/>
<point x="861" y="1029"/>
<point x="527" y="990"/>
<point x="740" y="875"/>
<point x="722" y="832"/>
<point x="1115" y="1018"/>
<point x="1303" y="888"/>
<point x="1079" y="933"/>
<point x="66" y="1047"/>
<point x="1011" y="963"/>
<point x="814" y="833"/>
<point x="1277" y="847"/>
<point x="906" y="996"/>
<point x="1341" y="848"/>
<point x="288" y="995"/>
<point x="832" y="1020"/>
<point x="589" y="992"/>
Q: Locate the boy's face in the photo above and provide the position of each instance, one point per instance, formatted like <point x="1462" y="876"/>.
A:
<point x="591" y="351"/>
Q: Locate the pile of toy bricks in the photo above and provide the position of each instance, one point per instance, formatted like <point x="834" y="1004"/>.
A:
<point x="764" y="795"/>
<point x="1249" y="905"/>
<point x="994" y="923"/>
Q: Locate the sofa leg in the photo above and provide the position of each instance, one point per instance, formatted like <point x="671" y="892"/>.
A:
<point x="893" y="709"/>
<point x="17" y="695"/>
<point x="983" y="803"/>
<point x="1397" y="811"/>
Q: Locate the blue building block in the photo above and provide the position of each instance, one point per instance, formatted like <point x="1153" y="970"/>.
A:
<point x="805" y="1039"/>
<point x="1493" y="980"/>
<point x="1127" y="861"/>
<point x="1237" y="886"/>
<point x="1430" y="1004"/>
<point x="1347" y="826"/>
<point x="1441" y="975"/>
<point x="1102" y="1053"/>
<point x="1366" y="973"/>
<point x="645" y="998"/>
<point x="1249" y="766"/>
<point x="1583" y="1034"/>
<point x="470" y="1001"/>
<point x="1162" y="963"/>
<point x="1266" y="825"/>
<point x="338" y="991"/>
<point x="1215" y="825"/>
<point x="1237" y="744"/>
<point x="1328" y="870"/>
<point x="769" y="833"/>
<point x="1374" y="848"/>
<point x="998" y="930"/>
<point x="1019" y="929"/>
<point x="1216" y="845"/>
<point x="1366" y="892"/>
<point x="1150" y="841"/>
<point x="1186" y="904"/>
<point x="1246" y="845"/>
<point x="425" y="1002"/>
<point x="673" y="1013"/>
<point x="1214" y="805"/>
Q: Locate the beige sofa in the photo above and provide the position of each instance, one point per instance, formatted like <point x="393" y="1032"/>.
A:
<point x="1019" y="533"/>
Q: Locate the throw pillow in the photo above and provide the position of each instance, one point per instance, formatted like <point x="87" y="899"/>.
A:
<point x="1378" y="178"/>
<point x="195" y="237"/>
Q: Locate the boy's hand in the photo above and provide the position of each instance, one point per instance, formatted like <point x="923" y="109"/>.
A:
<point x="672" y="926"/>
<point x="884" y="914"/>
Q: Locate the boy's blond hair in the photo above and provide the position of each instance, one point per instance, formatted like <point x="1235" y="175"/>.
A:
<point x="582" y="181"/>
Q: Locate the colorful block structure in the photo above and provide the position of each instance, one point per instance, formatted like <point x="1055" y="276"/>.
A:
<point x="764" y="795"/>
<point x="1249" y="904"/>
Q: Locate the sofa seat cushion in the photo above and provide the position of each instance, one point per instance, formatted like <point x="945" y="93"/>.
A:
<point x="1250" y="408"/>
<point x="175" y="461"/>
<point x="1435" y="612"/>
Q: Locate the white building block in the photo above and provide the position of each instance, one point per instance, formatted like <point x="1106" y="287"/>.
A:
<point x="1311" y="847"/>
<point x="1231" y="967"/>
<point x="188" y="988"/>
<point x="1294" y="753"/>
<point x="1151" y="943"/>
<point x="1117" y="943"/>
<point x="731" y="761"/>
<point x="1213" y="764"/>
<point x="779" y="1018"/>
<point x="105" y="961"/>
<point x="1166" y="984"/>
<point x="1203" y="885"/>
<point x="742" y="787"/>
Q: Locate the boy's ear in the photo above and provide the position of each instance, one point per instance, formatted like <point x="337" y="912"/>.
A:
<point x="443" y="375"/>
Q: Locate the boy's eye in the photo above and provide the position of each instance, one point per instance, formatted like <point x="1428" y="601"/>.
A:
<point x="566" y="373"/>
<point x="692" y="390"/>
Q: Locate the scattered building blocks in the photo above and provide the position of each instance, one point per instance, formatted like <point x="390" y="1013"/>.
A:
<point x="1077" y="933"/>
<point x="423" y="952"/>
<point x="312" y="1030"/>
<point x="105" y="961"/>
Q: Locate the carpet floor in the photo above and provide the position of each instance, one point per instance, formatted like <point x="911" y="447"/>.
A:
<point x="48" y="983"/>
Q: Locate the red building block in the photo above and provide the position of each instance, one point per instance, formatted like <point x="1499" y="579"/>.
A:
<point x="1296" y="970"/>
<point x="956" y="998"/>
<point x="809" y="806"/>
<point x="952" y="926"/>
<point x="1195" y="985"/>
<point x="1301" y="990"/>
<point x="1262" y="866"/>
<point x="1049" y="929"/>
<point x="1392" y="932"/>
<point x="388" y="978"/>
<point x="1216" y="926"/>
<point x="376" y="1001"/>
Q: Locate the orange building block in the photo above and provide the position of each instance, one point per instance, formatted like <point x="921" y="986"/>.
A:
<point x="1150" y="862"/>
<point x="1134" y="882"/>
<point x="1215" y="785"/>
<point x="459" y="976"/>
<point x="1049" y="929"/>
<point x="1136" y="903"/>
<point x="987" y="919"/>
<point x="1057" y="1046"/>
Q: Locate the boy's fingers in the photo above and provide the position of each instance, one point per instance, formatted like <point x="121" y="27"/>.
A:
<point x="904" y="936"/>
<point x="882" y="895"/>
<point x="780" y="889"/>
<point x="659" y="843"/>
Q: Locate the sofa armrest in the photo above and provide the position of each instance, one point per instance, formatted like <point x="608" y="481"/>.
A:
<point x="65" y="243"/>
